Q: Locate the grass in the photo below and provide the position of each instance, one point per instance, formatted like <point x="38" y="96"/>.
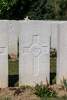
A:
<point x="53" y="65"/>
<point x="13" y="73"/>
<point x="53" y="70"/>
<point x="59" y="98"/>
<point x="13" y="67"/>
<point x="6" y="98"/>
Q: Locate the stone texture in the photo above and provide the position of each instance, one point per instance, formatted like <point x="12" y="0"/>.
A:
<point x="34" y="52"/>
<point x="13" y="31"/>
<point x="62" y="52"/>
<point x="54" y="34"/>
<point x="3" y="54"/>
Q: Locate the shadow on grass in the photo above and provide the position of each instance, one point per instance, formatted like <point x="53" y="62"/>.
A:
<point x="52" y="77"/>
<point x="13" y="80"/>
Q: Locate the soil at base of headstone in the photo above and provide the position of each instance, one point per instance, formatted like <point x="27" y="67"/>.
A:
<point x="18" y="94"/>
<point x="27" y="94"/>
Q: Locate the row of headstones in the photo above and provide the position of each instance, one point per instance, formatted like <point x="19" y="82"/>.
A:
<point x="14" y="30"/>
<point x="34" y="53"/>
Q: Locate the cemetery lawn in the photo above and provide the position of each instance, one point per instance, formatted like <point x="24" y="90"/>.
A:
<point x="53" y="65"/>
<point x="13" y="67"/>
<point x="13" y="73"/>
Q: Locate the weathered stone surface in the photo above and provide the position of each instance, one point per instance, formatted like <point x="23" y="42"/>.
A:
<point x="54" y="34"/>
<point x="3" y="54"/>
<point x="13" y="32"/>
<point x="34" y="52"/>
<point x="62" y="53"/>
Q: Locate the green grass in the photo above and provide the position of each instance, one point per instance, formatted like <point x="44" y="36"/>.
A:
<point x="53" y="70"/>
<point x="13" y="67"/>
<point x="13" y="73"/>
<point x="53" y="65"/>
<point x="58" y="98"/>
<point x="6" y="98"/>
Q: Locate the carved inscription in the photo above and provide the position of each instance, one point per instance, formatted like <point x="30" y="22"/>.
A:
<point x="36" y="49"/>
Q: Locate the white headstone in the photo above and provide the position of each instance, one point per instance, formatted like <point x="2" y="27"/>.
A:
<point x="13" y="31"/>
<point x="54" y="34"/>
<point x="34" y="53"/>
<point x="62" y="53"/>
<point x="3" y="54"/>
